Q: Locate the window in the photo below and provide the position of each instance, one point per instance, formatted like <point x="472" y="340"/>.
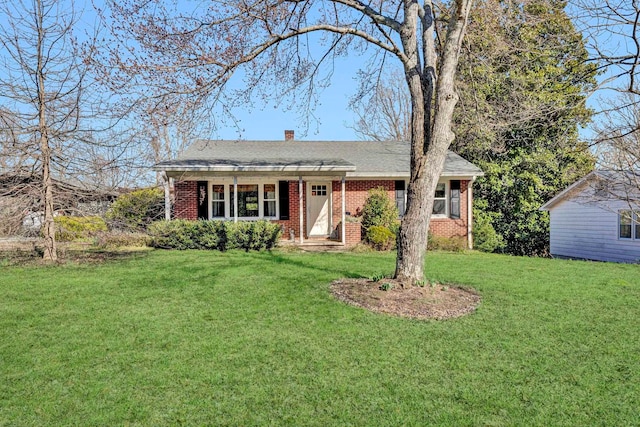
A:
<point x="255" y="200"/>
<point x="629" y="224"/>
<point x="269" y="200"/>
<point x="247" y="201"/>
<point x="440" y="200"/>
<point x="217" y="201"/>
<point x="318" y="190"/>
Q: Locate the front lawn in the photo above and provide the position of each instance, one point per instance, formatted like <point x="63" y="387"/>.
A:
<point x="209" y="338"/>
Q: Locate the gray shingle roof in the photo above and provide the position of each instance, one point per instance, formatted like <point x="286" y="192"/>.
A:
<point x="353" y="158"/>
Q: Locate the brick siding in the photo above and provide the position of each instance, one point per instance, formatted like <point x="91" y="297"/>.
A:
<point x="186" y="207"/>
<point x="186" y="200"/>
<point x="293" y="223"/>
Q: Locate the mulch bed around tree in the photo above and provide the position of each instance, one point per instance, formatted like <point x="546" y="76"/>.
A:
<point x="432" y="301"/>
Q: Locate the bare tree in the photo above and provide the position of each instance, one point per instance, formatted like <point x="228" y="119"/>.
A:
<point x="386" y="115"/>
<point x="278" y="46"/>
<point x="40" y="86"/>
<point x="613" y="31"/>
<point x="51" y="112"/>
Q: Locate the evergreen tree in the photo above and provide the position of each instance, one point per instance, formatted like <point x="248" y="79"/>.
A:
<point x="523" y="82"/>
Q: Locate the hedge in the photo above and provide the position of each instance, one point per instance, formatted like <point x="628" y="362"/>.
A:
<point x="214" y="235"/>
<point x="70" y="228"/>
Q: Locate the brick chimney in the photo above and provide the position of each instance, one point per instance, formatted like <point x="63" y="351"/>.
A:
<point x="289" y="135"/>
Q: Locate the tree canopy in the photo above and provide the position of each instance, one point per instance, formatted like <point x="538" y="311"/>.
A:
<point x="524" y="79"/>
<point x="285" y="48"/>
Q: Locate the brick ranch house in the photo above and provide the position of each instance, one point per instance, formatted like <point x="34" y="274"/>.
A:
<point x="312" y="188"/>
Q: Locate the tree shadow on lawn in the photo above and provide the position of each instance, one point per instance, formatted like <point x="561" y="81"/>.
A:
<point x="387" y="296"/>
<point x="280" y="259"/>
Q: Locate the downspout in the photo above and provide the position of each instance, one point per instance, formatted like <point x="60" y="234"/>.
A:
<point x="470" y="212"/>
<point x="301" y="209"/>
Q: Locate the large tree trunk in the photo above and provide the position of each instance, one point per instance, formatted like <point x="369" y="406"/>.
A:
<point x="431" y="134"/>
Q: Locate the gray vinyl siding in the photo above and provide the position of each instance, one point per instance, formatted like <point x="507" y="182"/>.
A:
<point x="589" y="231"/>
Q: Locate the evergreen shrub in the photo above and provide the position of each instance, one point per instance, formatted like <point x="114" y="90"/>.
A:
<point x="379" y="209"/>
<point x="485" y="236"/>
<point x="214" y="235"/>
<point x="381" y="238"/>
<point x="451" y="244"/>
<point x="379" y="218"/>
<point x="136" y="210"/>
<point x="70" y="228"/>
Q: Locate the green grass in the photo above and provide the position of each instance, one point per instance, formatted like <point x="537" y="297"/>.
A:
<point x="204" y="338"/>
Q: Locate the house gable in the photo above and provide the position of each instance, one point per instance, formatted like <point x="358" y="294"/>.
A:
<point x="585" y="220"/>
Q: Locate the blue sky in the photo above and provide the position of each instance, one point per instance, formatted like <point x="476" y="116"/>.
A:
<point x="333" y="113"/>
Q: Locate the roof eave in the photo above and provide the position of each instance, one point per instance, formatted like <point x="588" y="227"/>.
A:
<point x="563" y="194"/>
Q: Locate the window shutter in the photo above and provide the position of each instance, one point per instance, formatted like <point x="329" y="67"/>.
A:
<point x="400" y="197"/>
<point x="203" y="200"/>
<point x="283" y="199"/>
<point x="455" y="199"/>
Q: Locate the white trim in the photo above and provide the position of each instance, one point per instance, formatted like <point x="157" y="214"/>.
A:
<point x="166" y="181"/>
<point x="301" y="208"/>
<point x="470" y="212"/>
<point x="231" y="187"/>
<point x="328" y="185"/>
<point x="447" y="201"/>
<point x="344" y="208"/>
<point x="635" y="220"/>
<point x="235" y="199"/>
<point x="560" y="196"/>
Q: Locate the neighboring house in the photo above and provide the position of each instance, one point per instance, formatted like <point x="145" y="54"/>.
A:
<point x="21" y="201"/>
<point x="597" y="218"/>
<point x="313" y="186"/>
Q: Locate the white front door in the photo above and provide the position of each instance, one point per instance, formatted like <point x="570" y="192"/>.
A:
<point x="318" y="212"/>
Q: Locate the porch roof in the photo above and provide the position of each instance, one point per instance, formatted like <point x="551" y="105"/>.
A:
<point x="342" y="158"/>
<point x="280" y="166"/>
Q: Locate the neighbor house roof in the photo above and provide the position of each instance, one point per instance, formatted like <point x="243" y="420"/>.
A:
<point x="607" y="184"/>
<point x="348" y="158"/>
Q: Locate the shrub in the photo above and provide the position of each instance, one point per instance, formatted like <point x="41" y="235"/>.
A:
<point x="379" y="210"/>
<point x="485" y="237"/>
<point x="70" y="228"/>
<point x="216" y="235"/>
<point x="110" y="240"/>
<point x="136" y="210"/>
<point x="253" y="235"/>
<point x="451" y="244"/>
<point x="171" y="234"/>
<point x="381" y="238"/>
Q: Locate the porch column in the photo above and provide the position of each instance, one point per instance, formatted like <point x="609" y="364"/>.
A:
<point x="344" y="215"/>
<point x="301" y="209"/>
<point x="235" y="199"/>
<point x="470" y="213"/>
<point x="167" y="197"/>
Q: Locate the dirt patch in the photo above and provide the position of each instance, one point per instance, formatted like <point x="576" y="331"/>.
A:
<point x="432" y="301"/>
<point x="69" y="256"/>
